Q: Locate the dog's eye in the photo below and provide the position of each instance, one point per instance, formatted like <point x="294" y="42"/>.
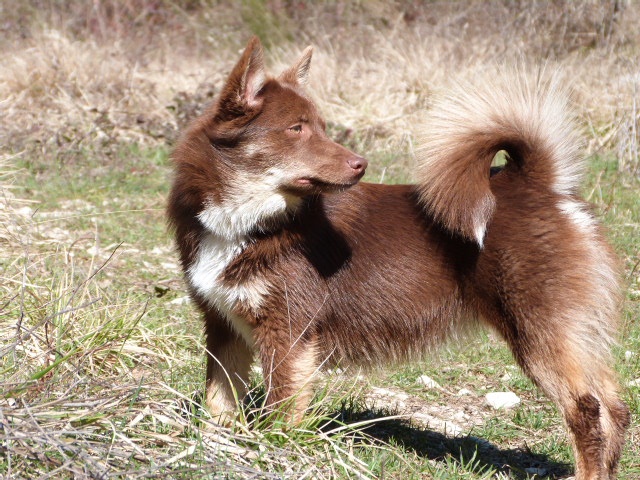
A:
<point x="296" y="128"/>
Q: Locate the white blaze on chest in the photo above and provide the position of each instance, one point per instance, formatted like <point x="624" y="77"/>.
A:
<point x="205" y="275"/>
<point x="228" y="224"/>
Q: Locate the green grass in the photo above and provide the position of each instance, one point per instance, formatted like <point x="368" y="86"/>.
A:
<point x="107" y="373"/>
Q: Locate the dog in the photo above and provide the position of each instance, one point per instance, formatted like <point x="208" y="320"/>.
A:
<point x="290" y="257"/>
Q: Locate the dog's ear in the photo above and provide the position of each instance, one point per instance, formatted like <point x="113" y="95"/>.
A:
<point x="298" y="74"/>
<point x="242" y="89"/>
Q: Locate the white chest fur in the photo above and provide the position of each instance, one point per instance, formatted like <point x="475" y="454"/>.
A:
<point x="228" y="225"/>
<point x="205" y="275"/>
<point x="214" y="256"/>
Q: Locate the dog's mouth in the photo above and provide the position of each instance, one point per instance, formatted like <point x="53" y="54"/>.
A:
<point x="315" y="184"/>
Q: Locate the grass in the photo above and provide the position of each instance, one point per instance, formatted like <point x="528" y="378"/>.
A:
<point x="101" y="364"/>
<point x="110" y="366"/>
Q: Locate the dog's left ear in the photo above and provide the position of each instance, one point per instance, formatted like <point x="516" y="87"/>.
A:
<point x="298" y="74"/>
<point x="241" y="92"/>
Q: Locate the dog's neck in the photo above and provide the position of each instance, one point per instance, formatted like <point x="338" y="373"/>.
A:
<point x="248" y="207"/>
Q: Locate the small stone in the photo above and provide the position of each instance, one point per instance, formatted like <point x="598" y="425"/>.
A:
<point x="388" y="398"/>
<point x="180" y="300"/>
<point x="541" y="472"/>
<point x="428" y="382"/>
<point x="460" y="417"/>
<point x="24" y="211"/>
<point x="436" y="423"/>
<point x="499" y="400"/>
<point x="628" y="355"/>
<point x="383" y="392"/>
<point x="507" y="377"/>
<point x="464" y="392"/>
<point x="56" y="233"/>
<point x="634" y="383"/>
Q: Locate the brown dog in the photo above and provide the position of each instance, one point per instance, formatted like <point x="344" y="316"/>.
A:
<point x="285" y="260"/>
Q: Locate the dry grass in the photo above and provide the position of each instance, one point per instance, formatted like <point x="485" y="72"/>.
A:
<point x="94" y="360"/>
<point x="109" y="78"/>
<point x="89" y="374"/>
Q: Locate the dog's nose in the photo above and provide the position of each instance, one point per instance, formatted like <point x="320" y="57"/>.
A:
<point x="357" y="163"/>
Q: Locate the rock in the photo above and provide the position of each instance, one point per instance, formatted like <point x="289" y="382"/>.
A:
<point x="507" y="377"/>
<point x="428" y="382"/>
<point x="436" y="423"/>
<point x="24" y="211"/>
<point x="461" y="417"/>
<point x="628" y="355"/>
<point x="499" y="400"/>
<point x="180" y="300"/>
<point x="56" y="233"/>
<point x="170" y="266"/>
<point x="540" y="472"/>
<point x="464" y="391"/>
<point x="388" y="398"/>
<point x="634" y="383"/>
<point x="383" y="392"/>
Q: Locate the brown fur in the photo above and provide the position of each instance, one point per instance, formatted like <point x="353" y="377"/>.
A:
<point x="285" y="260"/>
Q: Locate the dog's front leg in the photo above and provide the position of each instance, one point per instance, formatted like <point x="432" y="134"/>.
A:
<point x="288" y="365"/>
<point x="228" y="362"/>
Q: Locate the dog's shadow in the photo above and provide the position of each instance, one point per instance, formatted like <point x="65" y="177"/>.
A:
<point x="468" y="451"/>
<point x="472" y="452"/>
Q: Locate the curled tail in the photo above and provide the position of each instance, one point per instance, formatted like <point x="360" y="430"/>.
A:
<point x="527" y="118"/>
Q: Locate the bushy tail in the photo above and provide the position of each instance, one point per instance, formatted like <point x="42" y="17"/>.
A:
<point x="526" y="117"/>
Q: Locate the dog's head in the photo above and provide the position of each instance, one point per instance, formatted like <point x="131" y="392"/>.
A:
<point x="266" y="127"/>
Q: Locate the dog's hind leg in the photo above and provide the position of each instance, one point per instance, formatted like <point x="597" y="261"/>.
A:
<point x="595" y="416"/>
<point x="228" y="362"/>
<point x="564" y="363"/>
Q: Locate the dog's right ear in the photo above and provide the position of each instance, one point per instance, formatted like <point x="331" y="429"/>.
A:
<point x="298" y="74"/>
<point x="241" y="91"/>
